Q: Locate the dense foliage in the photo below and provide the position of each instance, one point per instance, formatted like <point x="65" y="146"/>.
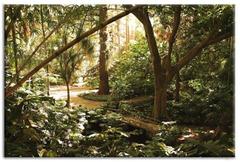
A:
<point x="132" y="74"/>
<point x="38" y="126"/>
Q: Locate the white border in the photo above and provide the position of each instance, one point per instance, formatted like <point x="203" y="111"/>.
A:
<point x="237" y="68"/>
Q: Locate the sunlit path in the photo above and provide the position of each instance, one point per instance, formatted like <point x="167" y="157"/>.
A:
<point x="60" y="92"/>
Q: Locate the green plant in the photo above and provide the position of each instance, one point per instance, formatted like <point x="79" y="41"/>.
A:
<point x="208" y="148"/>
<point x="132" y="75"/>
<point x="96" y="97"/>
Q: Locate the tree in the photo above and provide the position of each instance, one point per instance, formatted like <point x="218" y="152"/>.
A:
<point x="71" y="60"/>
<point x="11" y="90"/>
<point x="177" y="83"/>
<point x="44" y="37"/>
<point x="15" y="51"/>
<point x="127" y="32"/>
<point x="103" y="74"/>
<point x="164" y="71"/>
<point x="29" y="21"/>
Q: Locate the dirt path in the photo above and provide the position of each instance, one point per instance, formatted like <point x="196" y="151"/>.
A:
<point x="60" y="92"/>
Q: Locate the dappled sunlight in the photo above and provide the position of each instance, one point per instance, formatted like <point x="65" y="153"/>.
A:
<point x="60" y="92"/>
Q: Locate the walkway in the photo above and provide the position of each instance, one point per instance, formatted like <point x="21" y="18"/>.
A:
<point x="60" y="92"/>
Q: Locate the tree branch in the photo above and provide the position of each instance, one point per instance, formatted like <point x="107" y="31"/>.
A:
<point x="196" y="50"/>
<point x="176" y="22"/>
<point x="221" y="37"/>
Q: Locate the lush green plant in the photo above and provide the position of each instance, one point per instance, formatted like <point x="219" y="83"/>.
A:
<point x="132" y="74"/>
<point x="96" y="97"/>
<point x="24" y="119"/>
<point x="208" y="106"/>
<point x="92" y="81"/>
<point x="208" y="148"/>
<point x="36" y="125"/>
<point x="142" y="110"/>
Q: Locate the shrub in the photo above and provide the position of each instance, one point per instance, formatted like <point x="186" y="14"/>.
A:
<point x="132" y="73"/>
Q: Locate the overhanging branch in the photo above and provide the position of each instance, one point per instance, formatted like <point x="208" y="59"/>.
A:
<point x="196" y="50"/>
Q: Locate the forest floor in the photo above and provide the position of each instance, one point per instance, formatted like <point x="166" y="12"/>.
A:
<point x="60" y="92"/>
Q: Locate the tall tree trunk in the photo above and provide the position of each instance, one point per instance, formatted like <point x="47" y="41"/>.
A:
<point x="15" y="52"/>
<point x="177" y="83"/>
<point x="118" y="35"/>
<point x="103" y="74"/>
<point x="127" y="33"/>
<point x="44" y="48"/>
<point x="68" y="94"/>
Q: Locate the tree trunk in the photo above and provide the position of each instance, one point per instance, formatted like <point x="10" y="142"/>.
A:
<point x="68" y="95"/>
<point x="160" y="101"/>
<point x="103" y="74"/>
<point x="44" y="48"/>
<point x="11" y="90"/>
<point x="157" y="98"/>
<point x="47" y="81"/>
<point x="32" y="83"/>
<point x="118" y="35"/>
<point x="177" y="85"/>
<point x="15" y="52"/>
<point x="127" y="33"/>
<point x="12" y="21"/>
<point x="160" y="97"/>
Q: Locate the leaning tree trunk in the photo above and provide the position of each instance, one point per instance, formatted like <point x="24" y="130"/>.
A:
<point x="103" y="74"/>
